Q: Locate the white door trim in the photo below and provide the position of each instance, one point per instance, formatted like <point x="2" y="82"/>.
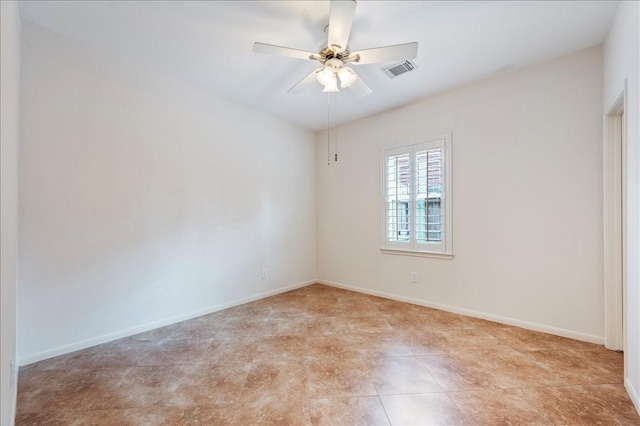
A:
<point x="614" y="245"/>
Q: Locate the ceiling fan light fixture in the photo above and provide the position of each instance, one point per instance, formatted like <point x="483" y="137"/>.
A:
<point x="332" y="85"/>
<point x="347" y="77"/>
<point x="326" y="76"/>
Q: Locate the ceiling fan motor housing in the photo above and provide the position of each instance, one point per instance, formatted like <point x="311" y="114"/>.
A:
<point x="327" y="53"/>
<point x="334" y="63"/>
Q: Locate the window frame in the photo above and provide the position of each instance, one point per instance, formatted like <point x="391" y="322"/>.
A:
<point x="443" y="250"/>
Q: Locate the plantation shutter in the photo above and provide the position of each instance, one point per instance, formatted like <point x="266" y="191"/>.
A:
<point x="429" y="195"/>
<point x="398" y="194"/>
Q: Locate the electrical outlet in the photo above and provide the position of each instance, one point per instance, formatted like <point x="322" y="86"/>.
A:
<point x="414" y="277"/>
<point x="264" y="274"/>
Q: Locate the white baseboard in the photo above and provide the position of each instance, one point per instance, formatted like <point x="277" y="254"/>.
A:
<point x="476" y="314"/>
<point x="61" y="350"/>
<point x="633" y="394"/>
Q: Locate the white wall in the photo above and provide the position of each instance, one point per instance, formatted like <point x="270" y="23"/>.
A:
<point x="527" y="200"/>
<point x="9" y="110"/>
<point x="621" y="62"/>
<point x="145" y="200"/>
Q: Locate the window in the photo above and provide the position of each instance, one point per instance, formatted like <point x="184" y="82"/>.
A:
<point x="417" y="197"/>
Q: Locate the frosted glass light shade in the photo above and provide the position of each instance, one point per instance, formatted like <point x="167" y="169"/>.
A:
<point x="326" y="76"/>
<point x="347" y="77"/>
<point x="332" y="85"/>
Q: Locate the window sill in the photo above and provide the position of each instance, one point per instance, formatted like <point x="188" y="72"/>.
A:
<point x="417" y="253"/>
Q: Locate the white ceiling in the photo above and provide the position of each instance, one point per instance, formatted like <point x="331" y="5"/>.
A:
<point x="210" y="44"/>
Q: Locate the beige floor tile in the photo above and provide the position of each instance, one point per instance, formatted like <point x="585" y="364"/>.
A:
<point x="270" y="409"/>
<point x="341" y="347"/>
<point x="576" y="367"/>
<point x="427" y="342"/>
<point x="617" y="402"/>
<point x="569" y="405"/>
<point x="422" y="409"/>
<point x="369" y="324"/>
<point x="361" y="410"/>
<point x="527" y="340"/>
<point x="279" y="347"/>
<point x="331" y="377"/>
<point x="150" y="387"/>
<point x="373" y="345"/>
<point x="323" y="325"/>
<point x="283" y="377"/>
<point x="210" y="384"/>
<point x="511" y="369"/>
<point x="497" y="407"/>
<point x="399" y="375"/>
<point x="458" y="371"/>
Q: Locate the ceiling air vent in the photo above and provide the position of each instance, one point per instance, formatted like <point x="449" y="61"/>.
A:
<point x="392" y="71"/>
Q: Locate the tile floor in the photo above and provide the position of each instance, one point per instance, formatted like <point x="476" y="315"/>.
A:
<point x="325" y="356"/>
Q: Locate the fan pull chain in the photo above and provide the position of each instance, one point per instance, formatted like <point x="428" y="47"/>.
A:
<point x="332" y="121"/>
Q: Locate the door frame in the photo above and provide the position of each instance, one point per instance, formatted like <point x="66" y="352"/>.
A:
<point x="614" y="220"/>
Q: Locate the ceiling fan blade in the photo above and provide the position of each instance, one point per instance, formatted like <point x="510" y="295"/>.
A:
<point x="397" y="52"/>
<point x="305" y="83"/>
<point x="271" y="49"/>
<point x="341" y="14"/>
<point x="360" y="88"/>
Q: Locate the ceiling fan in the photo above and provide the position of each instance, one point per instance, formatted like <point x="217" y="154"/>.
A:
<point x="335" y="54"/>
